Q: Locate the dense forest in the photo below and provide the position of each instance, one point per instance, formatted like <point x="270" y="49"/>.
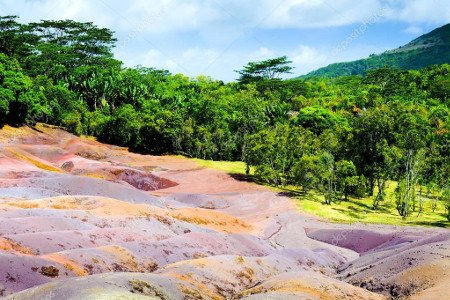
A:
<point x="342" y="136"/>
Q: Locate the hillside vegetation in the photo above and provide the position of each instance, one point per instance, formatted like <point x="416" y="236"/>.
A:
<point x="430" y="49"/>
<point x="345" y="137"/>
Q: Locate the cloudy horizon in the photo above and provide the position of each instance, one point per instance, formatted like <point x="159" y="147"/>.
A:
<point x="216" y="37"/>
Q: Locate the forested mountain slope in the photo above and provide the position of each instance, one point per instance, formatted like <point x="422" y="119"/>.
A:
<point x="430" y="49"/>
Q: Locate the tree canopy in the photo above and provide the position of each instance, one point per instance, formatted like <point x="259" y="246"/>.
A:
<point x="343" y="137"/>
<point x="270" y="69"/>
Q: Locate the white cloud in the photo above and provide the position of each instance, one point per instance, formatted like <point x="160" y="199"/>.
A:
<point x="215" y="36"/>
<point x="153" y="58"/>
<point x="427" y="11"/>
<point x="165" y="16"/>
<point x="191" y="62"/>
<point x="318" y="14"/>
<point x="261" y="54"/>
<point x="307" y="58"/>
<point x="172" y="15"/>
<point x="414" y="30"/>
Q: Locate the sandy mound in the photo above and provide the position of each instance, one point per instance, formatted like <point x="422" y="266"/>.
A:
<point x="211" y="219"/>
<point x="306" y="285"/>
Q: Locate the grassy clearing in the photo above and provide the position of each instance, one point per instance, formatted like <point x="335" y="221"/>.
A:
<point x="353" y="211"/>
<point x="360" y="210"/>
<point x="230" y="167"/>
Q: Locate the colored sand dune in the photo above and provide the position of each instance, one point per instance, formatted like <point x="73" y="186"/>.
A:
<point x="83" y="220"/>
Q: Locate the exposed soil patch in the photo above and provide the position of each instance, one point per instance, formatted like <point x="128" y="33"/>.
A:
<point x="144" y="181"/>
<point x="77" y="219"/>
<point x="50" y="271"/>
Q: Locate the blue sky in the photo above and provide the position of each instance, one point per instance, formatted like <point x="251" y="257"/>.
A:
<point x="216" y="37"/>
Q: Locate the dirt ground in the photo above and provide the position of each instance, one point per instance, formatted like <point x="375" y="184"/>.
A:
<point x="84" y="220"/>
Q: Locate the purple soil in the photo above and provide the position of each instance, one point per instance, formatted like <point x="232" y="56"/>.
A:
<point x="120" y="225"/>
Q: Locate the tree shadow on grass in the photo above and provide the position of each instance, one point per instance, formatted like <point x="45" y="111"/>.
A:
<point x="366" y="208"/>
<point x="285" y="192"/>
<point x="361" y="205"/>
<point x="299" y="195"/>
<point x="441" y="224"/>
<point x="355" y="209"/>
<point x="292" y="194"/>
<point x="244" y="178"/>
<point x="350" y="214"/>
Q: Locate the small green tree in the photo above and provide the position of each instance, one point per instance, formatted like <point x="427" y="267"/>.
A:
<point x="280" y="149"/>
<point x="270" y="69"/>
<point x="361" y="188"/>
<point x="346" y="177"/>
<point x="385" y="169"/>
<point x="307" y="172"/>
<point x="406" y="189"/>
<point x="433" y="193"/>
<point x="446" y="200"/>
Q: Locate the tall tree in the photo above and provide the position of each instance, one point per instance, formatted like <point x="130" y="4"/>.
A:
<point x="413" y="135"/>
<point x="66" y="45"/>
<point x="368" y="145"/>
<point x="270" y="69"/>
<point x="16" y="40"/>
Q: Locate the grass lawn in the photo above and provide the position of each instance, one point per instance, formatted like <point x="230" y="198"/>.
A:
<point x="231" y="167"/>
<point x="360" y="210"/>
<point x="353" y="211"/>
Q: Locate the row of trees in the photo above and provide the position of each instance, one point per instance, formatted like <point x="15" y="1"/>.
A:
<point x="397" y="130"/>
<point x="344" y="136"/>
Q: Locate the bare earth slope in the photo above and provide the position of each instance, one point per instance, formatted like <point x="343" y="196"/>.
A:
<point x="83" y="220"/>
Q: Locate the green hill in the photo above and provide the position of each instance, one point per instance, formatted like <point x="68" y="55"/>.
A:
<point x="429" y="49"/>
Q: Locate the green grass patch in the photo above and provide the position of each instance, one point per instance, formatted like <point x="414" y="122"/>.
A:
<point x="360" y="210"/>
<point x="230" y="167"/>
<point x="356" y="210"/>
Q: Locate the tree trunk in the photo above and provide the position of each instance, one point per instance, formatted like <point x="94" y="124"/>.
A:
<point x="409" y="171"/>
<point x="381" y="183"/>
<point x="420" y="201"/>
<point x="370" y="186"/>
